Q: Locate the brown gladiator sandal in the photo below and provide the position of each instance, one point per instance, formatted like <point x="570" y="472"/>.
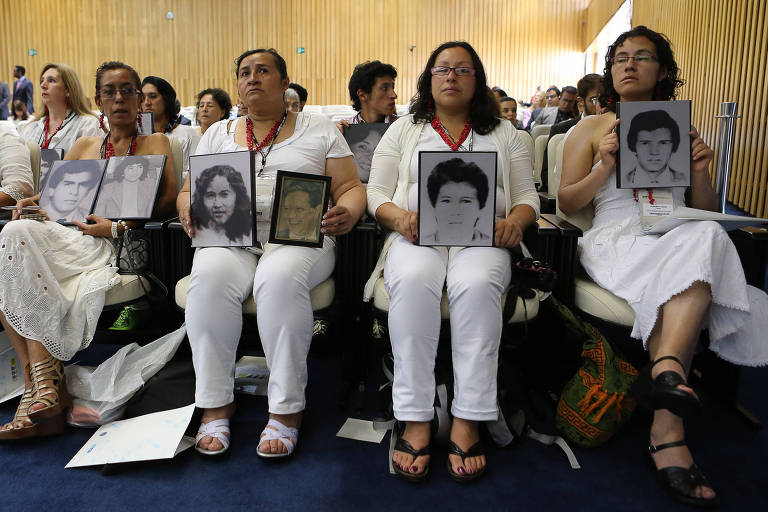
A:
<point x="21" y="426"/>
<point x="54" y="396"/>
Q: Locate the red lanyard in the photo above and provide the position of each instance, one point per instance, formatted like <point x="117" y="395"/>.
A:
<point x="438" y="126"/>
<point x="650" y="195"/>
<point x="46" y="139"/>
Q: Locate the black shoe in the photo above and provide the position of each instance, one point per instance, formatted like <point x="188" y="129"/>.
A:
<point x="404" y="446"/>
<point x="681" y="482"/>
<point x="663" y="393"/>
<point x="475" y="450"/>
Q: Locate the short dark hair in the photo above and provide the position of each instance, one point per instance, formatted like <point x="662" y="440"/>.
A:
<point x="570" y="90"/>
<point x="279" y="61"/>
<point x="73" y="167"/>
<point x="483" y="107"/>
<point x="499" y="90"/>
<point x="314" y="191"/>
<point x="125" y="162"/>
<point x="303" y="94"/>
<point x="457" y="170"/>
<point x="20" y="69"/>
<point x="553" y="88"/>
<point x="649" y="121"/>
<point x="168" y="93"/>
<point x="508" y="98"/>
<point x="238" y="224"/>
<point x="587" y="83"/>
<point x="665" y="90"/>
<point x="364" y="77"/>
<point x="221" y="98"/>
<point x="112" y="65"/>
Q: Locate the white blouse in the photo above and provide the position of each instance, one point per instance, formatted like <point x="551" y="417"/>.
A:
<point x="74" y="127"/>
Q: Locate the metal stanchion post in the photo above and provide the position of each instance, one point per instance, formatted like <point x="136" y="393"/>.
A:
<point x="728" y="114"/>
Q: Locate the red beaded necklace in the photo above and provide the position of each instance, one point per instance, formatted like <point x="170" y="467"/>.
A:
<point x="438" y="126"/>
<point x="110" y="149"/>
<point x="266" y="140"/>
<point x="650" y="195"/>
<point x="46" y="139"/>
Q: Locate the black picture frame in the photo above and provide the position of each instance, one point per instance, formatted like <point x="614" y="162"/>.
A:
<point x="362" y="140"/>
<point x="239" y="227"/>
<point x="312" y="185"/>
<point x="674" y="117"/>
<point x="110" y="200"/>
<point x="84" y="171"/>
<point x="456" y="230"/>
<point x="147" y="125"/>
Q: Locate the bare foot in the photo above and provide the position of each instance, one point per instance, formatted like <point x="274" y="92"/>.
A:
<point x="209" y="443"/>
<point x="20" y="418"/>
<point x="417" y="433"/>
<point x="275" y="445"/>
<point x="465" y="434"/>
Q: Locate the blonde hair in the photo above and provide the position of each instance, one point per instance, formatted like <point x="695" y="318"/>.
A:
<point x="77" y="100"/>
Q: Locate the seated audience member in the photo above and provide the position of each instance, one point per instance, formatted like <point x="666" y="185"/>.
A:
<point x="212" y="105"/>
<point x="372" y="91"/>
<point x="181" y="119"/>
<point x="559" y="113"/>
<point x="291" y="101"/>
<point x="54" y="279"/>
<point x="537" y="103"/>
<point x="160" y="99"/>
<point x="303" y="94"/>
<point x="552" y="96"/>
<point x="242" y="109"/>
<point x="19" y="113"/>
<point x="509" y="111"/>
<point x="453" y="109"/>
<point x="65" y="116"/>
<point x="677" y="284"/>
<point x="280" y="279"/>
<point x="15" y="171"/>
<point x="498" y="93"/>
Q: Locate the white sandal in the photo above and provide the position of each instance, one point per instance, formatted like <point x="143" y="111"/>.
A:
<point x="289" y="436"/>
<point x="217" y="430"/>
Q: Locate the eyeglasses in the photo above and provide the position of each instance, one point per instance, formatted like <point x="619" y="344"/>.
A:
<point x="445" y="71"/>
<point x="639" y="59"/>
<point x="110" y="93"/>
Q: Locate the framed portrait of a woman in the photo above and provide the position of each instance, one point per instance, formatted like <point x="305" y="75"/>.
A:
<point x="221" y="199"/>
<point x="457" y="198"/>
<point x="300" y="202"/>
<point x="129" y="187"/>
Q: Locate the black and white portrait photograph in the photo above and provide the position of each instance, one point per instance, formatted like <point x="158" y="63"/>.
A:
<point x="654" y="145"/>
<point x="129" y="187"/>
<point x="299" y="205"/>
<point x="363" y="139"/>
<point x="47" y="157"/>
<point x="146" y="123"/>
<point x="70" y="189"/>
<point x="221" y="192"/>
<point x="457" y="198"/>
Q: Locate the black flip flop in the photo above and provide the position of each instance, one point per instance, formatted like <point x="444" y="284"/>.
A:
<point x="475" y="450"/>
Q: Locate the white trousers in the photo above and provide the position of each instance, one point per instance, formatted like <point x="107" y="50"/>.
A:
<point x="221" y="280"/>
<point x="475" y="278"/>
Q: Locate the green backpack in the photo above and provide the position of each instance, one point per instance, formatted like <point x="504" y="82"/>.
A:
<point x="595" y="403"/>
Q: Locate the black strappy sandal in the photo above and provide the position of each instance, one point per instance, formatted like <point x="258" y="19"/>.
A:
<point x="681" y="482"/>
<point x="404" y="446"/>
<point x="475" y="450"/>
<point x="662" y="392"/>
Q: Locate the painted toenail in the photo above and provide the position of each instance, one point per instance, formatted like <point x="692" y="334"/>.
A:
<point x="414" y="469"/>
<point x="461" y="471"/>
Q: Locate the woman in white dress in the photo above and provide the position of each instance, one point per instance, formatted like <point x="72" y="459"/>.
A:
<point x="676" y="283"/>
<point x="65" y="116"/>
<point x="53" y="279"/>
<point x="223" y="278"/>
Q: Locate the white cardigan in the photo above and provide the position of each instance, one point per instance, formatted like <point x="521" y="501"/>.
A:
<point x="391" y="168"/>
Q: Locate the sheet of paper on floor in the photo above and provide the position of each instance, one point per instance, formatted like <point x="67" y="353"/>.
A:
<point x="360" y="430"/>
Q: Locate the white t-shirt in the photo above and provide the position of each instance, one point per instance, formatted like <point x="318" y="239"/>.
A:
<point x="73" y="128"/>
<point x="188" y="138"/>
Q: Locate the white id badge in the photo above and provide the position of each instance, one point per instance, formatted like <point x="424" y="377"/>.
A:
<point x="663" y="205"/>
<point x="264" y="194"/>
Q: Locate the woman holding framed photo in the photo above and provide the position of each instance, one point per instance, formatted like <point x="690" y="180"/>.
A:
<point x="65" y="116"/>
<point x="54" y="279"/>
<point x="689" y="278"/>
<point x="280" y="279"/>
<point x="453" y="109"/>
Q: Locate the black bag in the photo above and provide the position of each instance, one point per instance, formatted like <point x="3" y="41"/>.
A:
<point x="170" y="388"/>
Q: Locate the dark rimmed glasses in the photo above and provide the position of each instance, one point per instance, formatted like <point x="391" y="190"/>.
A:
<point x="458" y="71"/>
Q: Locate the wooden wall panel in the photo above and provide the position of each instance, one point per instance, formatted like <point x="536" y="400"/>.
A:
<point x="523" y="43"/>
<point x="720" y="46"/>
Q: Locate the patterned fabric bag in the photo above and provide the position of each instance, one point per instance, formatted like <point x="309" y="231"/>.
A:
<point x="595" y="403"/>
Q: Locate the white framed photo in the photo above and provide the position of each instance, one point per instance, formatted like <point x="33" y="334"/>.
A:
<point x="363" y="139"/>
<point x="221" y="202"/>
<point x="68" y="192"/>
<point x="457" y="198"/>
<point x="654" y="144"/>
<point x="129" y="187"/>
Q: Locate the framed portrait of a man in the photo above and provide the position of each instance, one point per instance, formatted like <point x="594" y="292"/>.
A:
<point x="129" y="187"/>
<point x="300" y="202"/>
<point x="47" y="157"/>
<point x="654" y="144"/>
<point x="146" y="123"/>
<point x="363" y="139"/>
<point x="69" y="190"/>
<point x="221" y="192"/>
<point x="457" y="198"/>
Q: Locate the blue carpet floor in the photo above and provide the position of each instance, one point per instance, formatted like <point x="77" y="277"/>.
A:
<point x="330" y="473"/>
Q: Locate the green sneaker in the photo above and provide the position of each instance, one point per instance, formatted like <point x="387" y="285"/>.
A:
<point x="126" y="321"/>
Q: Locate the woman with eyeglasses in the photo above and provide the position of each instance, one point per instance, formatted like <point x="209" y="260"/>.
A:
<point x="65" y="116"/>
<point x="280" y="278"/>
<point x="677" y="283"/>
<point x="54" y="279"/>
<point x="453" y="109"/>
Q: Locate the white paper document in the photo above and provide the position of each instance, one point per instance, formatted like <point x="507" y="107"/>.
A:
<point x="159" y="435"/>
<point x="683" y="214"/>
<point x="360" y="430"/>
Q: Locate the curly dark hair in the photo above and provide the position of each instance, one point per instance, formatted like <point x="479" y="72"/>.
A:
<point x="364" y="76"/>
<point x="457" y="170"/>
<point x="221" y="98"/>
<point x="238" y="225"/>
<point x="666" y="89"/>
<point x="112" y="65"/>
<point x="484" y="110"/>
<point x="123" y="163"/>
